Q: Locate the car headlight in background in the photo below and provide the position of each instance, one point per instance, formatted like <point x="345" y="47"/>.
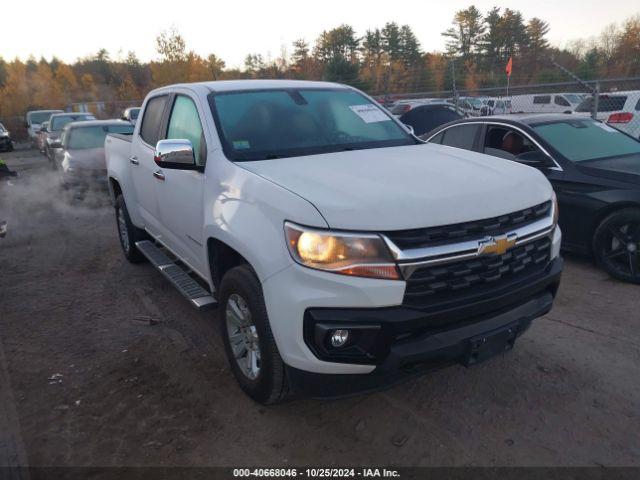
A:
<point x="360" y="255"/>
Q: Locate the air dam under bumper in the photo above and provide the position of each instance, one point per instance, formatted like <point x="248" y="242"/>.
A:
<point x="399" y="356"/>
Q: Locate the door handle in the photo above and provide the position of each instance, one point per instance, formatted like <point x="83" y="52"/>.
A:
<point x="159" y="175"/>
<point x="134" y="160"/>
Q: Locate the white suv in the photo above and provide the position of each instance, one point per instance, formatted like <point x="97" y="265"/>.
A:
<point x="619" y="109"/>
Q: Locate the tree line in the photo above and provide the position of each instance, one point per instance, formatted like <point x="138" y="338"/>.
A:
<point x="388" y="59"/>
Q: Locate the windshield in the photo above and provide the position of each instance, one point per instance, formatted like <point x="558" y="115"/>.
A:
<point x="58" y="123"/>
<point x="582" y="140"/>
<point x="265" y="124"/>
<point x="38" y="117"/>
<point x="573" y="97"/>
<point x="80" y="138"/>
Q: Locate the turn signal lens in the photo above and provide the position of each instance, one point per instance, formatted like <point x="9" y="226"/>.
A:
<point x="360" y="255"/>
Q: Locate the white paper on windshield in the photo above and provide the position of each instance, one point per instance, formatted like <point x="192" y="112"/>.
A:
<point x="605" y="127"/>
<point x="369" y="113"/>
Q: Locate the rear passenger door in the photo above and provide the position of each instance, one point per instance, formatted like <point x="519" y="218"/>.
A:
<point x="180" y="192"/>
<point x="143" y="164"/>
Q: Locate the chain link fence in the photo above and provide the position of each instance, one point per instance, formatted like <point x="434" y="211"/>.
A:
<point x="614" y="101"/>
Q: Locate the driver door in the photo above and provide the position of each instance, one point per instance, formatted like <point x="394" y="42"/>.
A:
<point x="180" y="192"/>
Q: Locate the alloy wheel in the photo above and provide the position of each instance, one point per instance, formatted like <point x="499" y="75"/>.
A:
<point x="622" y="248"/>
<point x="243" y="336"/>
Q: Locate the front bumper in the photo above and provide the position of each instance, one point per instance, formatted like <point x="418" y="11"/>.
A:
<point x="413" y="342"/>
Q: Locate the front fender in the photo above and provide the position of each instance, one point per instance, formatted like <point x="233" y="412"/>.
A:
<point x="247" y="212"/>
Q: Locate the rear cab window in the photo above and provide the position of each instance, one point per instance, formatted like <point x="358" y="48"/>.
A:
<point x="152" y="119"/>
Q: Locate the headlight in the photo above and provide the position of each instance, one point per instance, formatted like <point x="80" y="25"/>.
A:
<point x="360" y="255"/>
<point x="556" y="210"/>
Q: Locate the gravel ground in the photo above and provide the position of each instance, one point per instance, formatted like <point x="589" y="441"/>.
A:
<point x="104" y="364"/>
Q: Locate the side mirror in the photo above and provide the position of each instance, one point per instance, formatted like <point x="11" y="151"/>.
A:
<point x="409" y="129"/>
<point x="175" y="154"/>
<point x="535" y="159"/>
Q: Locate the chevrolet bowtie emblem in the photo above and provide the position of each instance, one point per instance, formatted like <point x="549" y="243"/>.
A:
<point x="497" y="245"/>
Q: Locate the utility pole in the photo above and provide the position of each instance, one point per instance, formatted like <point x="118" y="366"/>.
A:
<point x="453" y="80"/>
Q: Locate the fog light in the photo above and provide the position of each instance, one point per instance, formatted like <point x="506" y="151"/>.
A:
<point x="339" y="338"/>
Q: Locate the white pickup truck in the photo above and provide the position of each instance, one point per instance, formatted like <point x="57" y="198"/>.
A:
<point x="344" y="253"/>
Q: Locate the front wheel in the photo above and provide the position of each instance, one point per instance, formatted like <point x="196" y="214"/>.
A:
<point x="251" y="350"/>
<point x="616" y="245"/>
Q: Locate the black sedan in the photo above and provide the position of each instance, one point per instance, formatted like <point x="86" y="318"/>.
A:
<point x="594" y="170"/>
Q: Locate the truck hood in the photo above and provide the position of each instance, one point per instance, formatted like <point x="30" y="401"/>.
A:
<point x="406" y="187"/>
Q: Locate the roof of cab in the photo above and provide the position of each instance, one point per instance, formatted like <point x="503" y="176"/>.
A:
<point x="234" y="85"/>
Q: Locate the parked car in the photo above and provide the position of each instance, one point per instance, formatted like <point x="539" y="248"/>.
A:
<point x="131" y="114"/>
<point x="495" y="106"/>
<point x="424" y="118"/>
<point x="41" y="139"/>
<point x="471" y="106"/>
<point x="6" y="143"/>
<point x="546" y="102"/>
<point x="594" y="170"/>
<point x="33" y="121"/>
<point x="345" y="254"/>
<point x="403" y="106"/>
<point x="80" y="155"/>
<point x="620" y="109"/>
<point x="57" y="122"/>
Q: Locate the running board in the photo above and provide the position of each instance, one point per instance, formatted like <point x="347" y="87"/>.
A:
<point x="187" y="286"/>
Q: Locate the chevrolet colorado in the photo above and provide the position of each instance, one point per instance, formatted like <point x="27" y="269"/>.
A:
<point x="344" y="254"/>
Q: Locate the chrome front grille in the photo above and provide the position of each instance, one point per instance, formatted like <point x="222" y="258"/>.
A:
<point x="451" y="263"/>
<point x="437" y="283"/>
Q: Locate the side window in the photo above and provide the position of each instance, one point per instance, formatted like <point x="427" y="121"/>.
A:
<point x="437" y="138"/>
<point x="461" y="136"/>
<point x="185" y="124"/>
<point x="558" y="100"/>
<point x="505" y="142"/>
<point x="542" y="99"/>
<point x="150" y="128"/>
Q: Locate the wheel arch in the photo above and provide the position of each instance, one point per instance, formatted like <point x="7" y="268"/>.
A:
<point x="221" y="258"/>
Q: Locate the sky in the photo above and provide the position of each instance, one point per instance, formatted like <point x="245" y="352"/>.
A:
<point x="70" y="29"/>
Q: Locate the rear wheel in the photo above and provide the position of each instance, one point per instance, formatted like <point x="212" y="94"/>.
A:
<point x="616" y="245"/>
<point x="251" y="350"/>
<point x="128" y="233"/>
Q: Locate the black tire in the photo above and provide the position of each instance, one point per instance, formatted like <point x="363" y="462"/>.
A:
<point x="133" y="233"/>
<point x="270" y="385"/>
<point x="616" y="245"/>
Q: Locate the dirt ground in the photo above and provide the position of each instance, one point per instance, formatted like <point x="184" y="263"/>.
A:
<point x="102" y="363"/>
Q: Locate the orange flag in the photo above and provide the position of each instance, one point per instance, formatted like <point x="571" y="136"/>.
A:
<point x="509" y="66"/>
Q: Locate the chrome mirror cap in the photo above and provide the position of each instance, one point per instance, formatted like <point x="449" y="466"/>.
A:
<point x="174" y="152"/>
